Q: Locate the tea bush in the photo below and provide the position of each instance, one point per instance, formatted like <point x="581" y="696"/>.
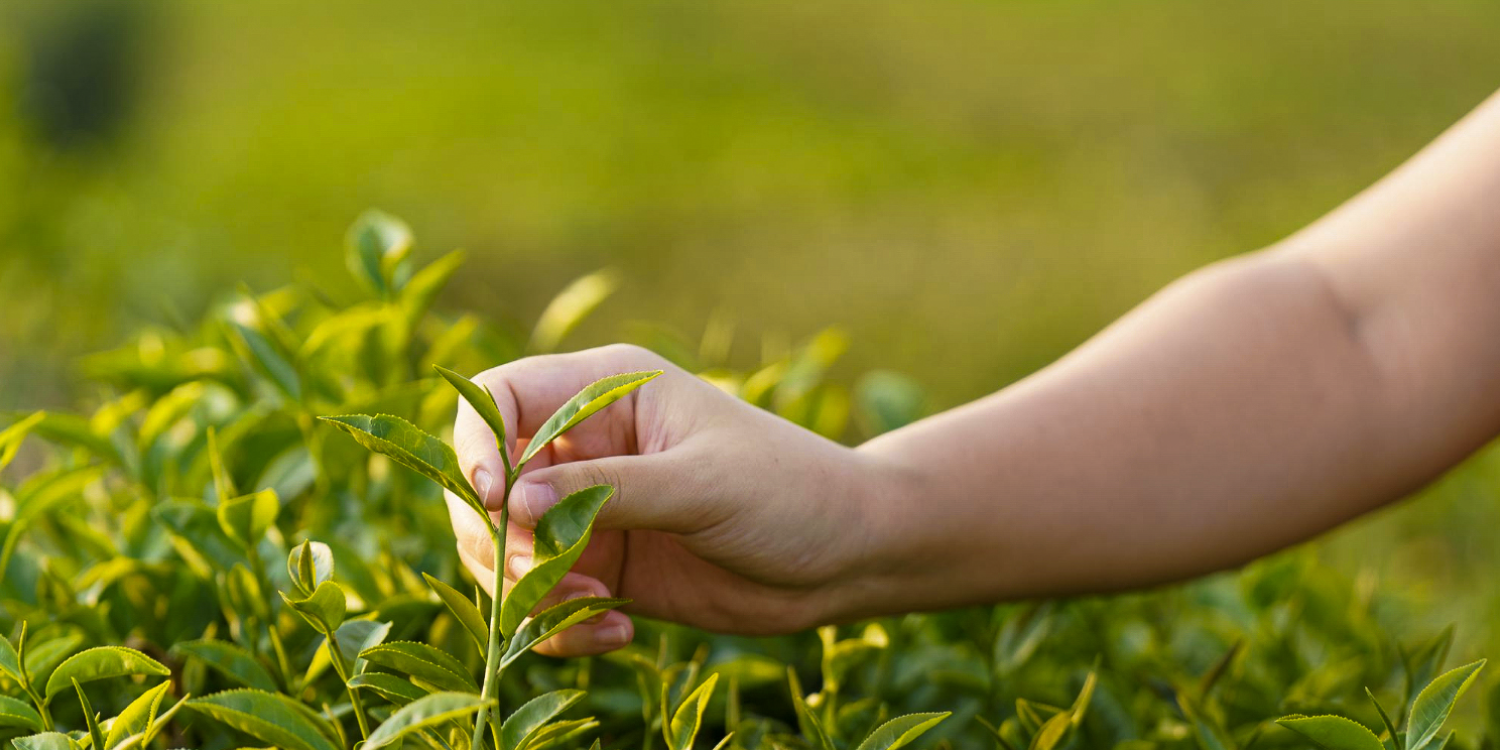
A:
<point x="206" y="557"/>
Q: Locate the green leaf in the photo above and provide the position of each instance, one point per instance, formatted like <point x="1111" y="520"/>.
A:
<point x="389" y="686"/>
<point x="195" y="527"/>
<point x="137" y="716"/>
<point x="483" y="402"/>
<point x="1333" y="732"/>
<point x="12" y="437"/>
<point x="409" y="446"/>
<point x="46" y="741"/>
<point x="375" y="247"/>
<point x="90" y="719"/>
<point x="1052" y="731"/>
<point x="245" y="519"/>
<point x="1397" y="739"/>
<point x="901" y="730"/>
<point x="223" y="481"/>
<point x="41" y="660"/>
<point x="560" y="733"/>
<point x="230" y="660"/>
<point x="418" y="294"/>
<point x="807" y="721"/>
<point x="1435" y="702"/>
<point x="10" y="662"/>
<point x="535" y="713"/>
<point x="585" y="404"/>
<point x="261" y="352"/>
<point x="688" y="718"/>
<point x="102" y="663"/>
<point x="424" y="713"/>
<point x="309" y="565"/>
<point x="324" y="610"/>
<point x="423" y="662"/>
<point x="269" y="717"/>
<point x="560" y="538"/>
<point x="463" y="610"/>
<point x="569" y="308"/>
<point x="17" y="714"/>
<point x="554" y="620"/>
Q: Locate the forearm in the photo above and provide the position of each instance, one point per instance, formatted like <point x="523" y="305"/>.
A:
<point x="1247" y="407"/>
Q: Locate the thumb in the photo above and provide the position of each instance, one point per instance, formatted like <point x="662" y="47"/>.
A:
<point x="658" y="491"/>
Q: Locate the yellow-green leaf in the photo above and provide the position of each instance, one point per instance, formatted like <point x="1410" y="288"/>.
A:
<point x="586" y="403"/>
<point x="102" y="663"/>
<point x="423" y="713"/>
<point x="560" y="538"/>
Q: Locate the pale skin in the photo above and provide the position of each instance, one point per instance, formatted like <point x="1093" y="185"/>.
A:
<point x="1248" y="406"/>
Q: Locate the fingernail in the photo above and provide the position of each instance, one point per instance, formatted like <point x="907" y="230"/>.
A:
<point x="483" y="480"/>
<point x="612" y="636"/>
<point x="537" y="499"/>
<point x="519" y="566"/>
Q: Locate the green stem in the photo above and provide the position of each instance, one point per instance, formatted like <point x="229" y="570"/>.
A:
<point x="41" y="708"/>
<point x="497" y="642"/>
<point x="337" y="657"/>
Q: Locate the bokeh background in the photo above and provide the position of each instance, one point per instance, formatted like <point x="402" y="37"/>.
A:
<point x="969" y="188"/>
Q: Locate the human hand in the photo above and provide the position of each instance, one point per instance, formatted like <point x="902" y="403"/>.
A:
<point x="725" y="517"/>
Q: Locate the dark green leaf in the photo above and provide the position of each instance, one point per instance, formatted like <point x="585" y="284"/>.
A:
<point x="483" y="402"/>
<point x="560" y="538"/>
<point x="269" y="717"/>
<point x="586" y="403"/>
<point x="229" y="660"/>
<point x="463" y="610"/>
<point x="424" y="713"/>
<point x="407" y="445"/>
<point x="423" y="662"/>
<point x="102" y="663"/>
<point x="389" y="686"/>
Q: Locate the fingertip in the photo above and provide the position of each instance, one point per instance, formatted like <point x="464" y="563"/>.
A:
<point x="615" y="631"/>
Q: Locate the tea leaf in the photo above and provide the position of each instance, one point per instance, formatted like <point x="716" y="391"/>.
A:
<point x="1052" y="731"/>
<point x="532" y="715"/>
<point x="901" y="730"/>
<point x="423" y="713"/>
<point x="90" y="719"/>
<point x="263" y="355"/>
<point x="570" y="307"/>
<point x="46" y="741"/>
<point x="424" y="662"/>
<point x="195" y="530"/>
<point x="10" y="662"/>
<point x="463" y="610"/>
<point x="41" y="660"/>
<point x="688" y="718"/>
<point x="223" y="482"/>
<point x="136" y="717"/>
<point x="1333" y="732"/>
<point x="229" y="660"/>
<point x="17" y="714"/>
<point x="388" y="686"/>
<point x="374" y="248"/>
<point x="102" y="663"/>
<point x="12" y="437"/>
<point x="554" y="620"/>
<point x="483" y="402"/>
<point x="269" y="717"/>
<point x="1397" y="740"/>
<point x="246" y="518"/>
<point x="309" y="565"/>
<point x="324" y="610"/>
<point x="419" y="292"/>
<point x="807" y="721"/>
<point x="409" y="446"/>
<point x="586" y="403"/>
<point x="560" y="733"/>
<point x="560" y="538"/>
<point x="1435" y="702"/>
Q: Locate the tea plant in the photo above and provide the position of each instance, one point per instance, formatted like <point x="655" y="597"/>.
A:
<point x="198" y="558"/>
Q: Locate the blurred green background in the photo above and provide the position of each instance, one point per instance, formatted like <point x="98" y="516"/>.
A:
<point x="968" y="188"/>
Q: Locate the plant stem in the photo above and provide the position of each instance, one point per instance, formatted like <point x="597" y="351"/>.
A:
<point x="41" y="707"/>
<point x="497" y="642"/>
<point x="337" y="657"/>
